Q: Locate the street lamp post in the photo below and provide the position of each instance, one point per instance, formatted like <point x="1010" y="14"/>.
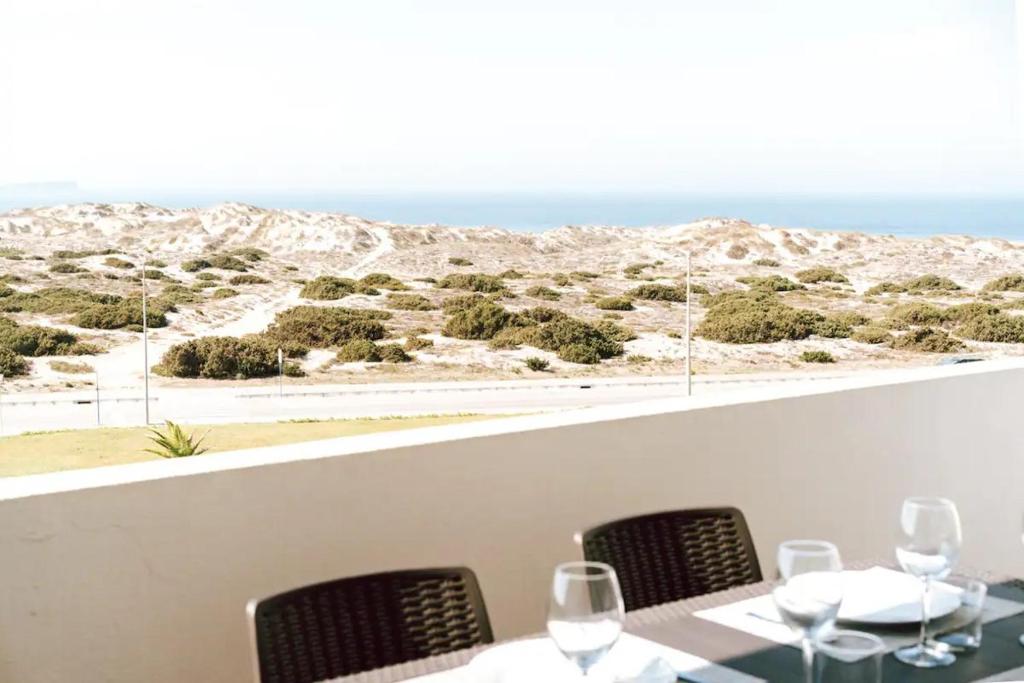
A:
<point x="145" y="340"/>
<point x="280" y="373"/>
<point x="689" y="379"/>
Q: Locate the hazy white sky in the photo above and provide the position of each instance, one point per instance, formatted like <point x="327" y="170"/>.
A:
<point x="731" y="96"/>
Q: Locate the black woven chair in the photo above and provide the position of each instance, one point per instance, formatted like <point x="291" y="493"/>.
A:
<point x="673" y="555"/>
<point x="355" y="624"/>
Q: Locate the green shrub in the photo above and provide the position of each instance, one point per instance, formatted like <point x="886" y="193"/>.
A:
<point x="568" y="336"/>
<point x="543" y="314"/>
<point x="461" y="302"/>
<point x="561" y="279"/>
<point x="410" y="302"/>
<point x="886" y="288"/>
<point x="65" y="267"/>
<point x="154" y="274"/>
<point x="638" y="359"/>
<point x="511" y="274"/>
<point x="633" y="270"/>
<point x="69" y="368"/>
<point x="537" y="364"/>
<point x="250" y="253"/>
<point x="459" y="261"/>
<point x="619" y="333"/>
<point x="653" y="292"/>
<point x="157" y="263"/>
<point x="35" y="340"/>
<point x="323" y="327"/>
<point x="474" y="282"/>
<point x="11" y="364"/>
<point x="200" y="285"/>
<point x="72" y="254"/>
<point x="541" y="292"/>
<point x="393" y="353"/>
<point x="964" y="312"/>
<point x="997" y="327"/>
<point x="174" y="294"/>
<point x="767" y="262"/>
<point x="120" y="314"/>
<point x="115" y="262"/>
<point x="195" y="265"/>
<point x="328" y="288"/>
<point x="482" y="321"/>
<point x="413" y="343"/>
<point x="614" y="303"/>
<point x="770" y="283"/>
<point x="584" y="275"/>
<point x="1006" y="283"/>
<point x="384" y="281"/>
<point x="358" y="351"/>
<point x="579" y="353"/>
<point x="927" y="339"/>
<point x="820" y="274"/>
<point x="293" y="370"/>
<point x="289" y="347"/>
<point x="872" y="335"/>
<point x="931" y="283"/>
<point x="756" y="320"/>
<point x="227" y="262"/>
<point x="220" y="358"/>
<point x="817" y="357"/>
<point x="224" y="293"/>
<point x="833" y="327"/>
<point x="248" y="279"/>
<point x="903" y="315"/>
<point x="208" y="276"/>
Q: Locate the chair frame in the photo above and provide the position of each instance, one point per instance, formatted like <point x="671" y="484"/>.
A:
<point x="734" y="513"/>
<point x="474" y="596"/>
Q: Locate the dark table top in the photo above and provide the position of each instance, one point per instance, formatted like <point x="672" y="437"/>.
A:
<point x="674" y="625"/>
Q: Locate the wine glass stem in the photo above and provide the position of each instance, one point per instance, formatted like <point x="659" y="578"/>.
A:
<point x="808" y="651"/>
<point x="925" y="605"/>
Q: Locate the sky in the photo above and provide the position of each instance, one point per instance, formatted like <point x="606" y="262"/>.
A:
<point x="714" y="96"/>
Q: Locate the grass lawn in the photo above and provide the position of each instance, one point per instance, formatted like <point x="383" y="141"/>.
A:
<point x="76" y="449"/>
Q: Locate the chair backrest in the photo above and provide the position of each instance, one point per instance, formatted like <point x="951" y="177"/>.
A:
<point x="359" y="623"/>
<point x="674" y="555"/>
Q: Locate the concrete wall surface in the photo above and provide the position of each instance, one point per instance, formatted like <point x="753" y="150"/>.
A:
<point x="142" y="572"/>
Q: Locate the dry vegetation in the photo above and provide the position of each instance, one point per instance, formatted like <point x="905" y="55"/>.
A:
<point x="445" y="303"/>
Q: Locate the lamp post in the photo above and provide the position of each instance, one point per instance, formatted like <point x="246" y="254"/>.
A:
<point x="689" y="380"/>
<point x="145" y="340"/>
<point x="280" y="373"/>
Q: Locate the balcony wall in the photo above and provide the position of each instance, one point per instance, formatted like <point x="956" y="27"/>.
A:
<point x="141" y="572"/>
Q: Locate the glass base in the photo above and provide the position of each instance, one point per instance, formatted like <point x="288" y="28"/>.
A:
<point x="924" y="657"/>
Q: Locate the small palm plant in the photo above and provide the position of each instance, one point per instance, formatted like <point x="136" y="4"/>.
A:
<point x="175" y="442"/>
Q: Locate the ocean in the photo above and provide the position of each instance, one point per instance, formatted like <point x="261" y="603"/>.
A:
<point x="984" y="216"/>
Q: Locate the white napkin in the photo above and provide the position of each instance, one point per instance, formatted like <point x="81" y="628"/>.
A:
<point x="632" y="660"/>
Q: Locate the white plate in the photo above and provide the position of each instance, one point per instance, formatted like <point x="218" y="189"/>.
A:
<point x="886" y="597"/>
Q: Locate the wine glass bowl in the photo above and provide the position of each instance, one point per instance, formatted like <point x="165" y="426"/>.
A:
<point x="809" y="596"/>
<point x="585" y="612"/>
<point x="928" y="547"/>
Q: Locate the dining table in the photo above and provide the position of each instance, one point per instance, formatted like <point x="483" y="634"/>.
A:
<point x="677" y="626"/>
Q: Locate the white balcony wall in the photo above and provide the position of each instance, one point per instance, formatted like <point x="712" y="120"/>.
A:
<point x="141" y="573"/>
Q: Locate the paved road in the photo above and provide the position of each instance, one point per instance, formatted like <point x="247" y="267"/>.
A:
<point x="78" y="409"/>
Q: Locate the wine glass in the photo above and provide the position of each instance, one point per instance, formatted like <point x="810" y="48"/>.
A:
<point x="808" y="599"/>
<point x="586" y="612"/>
<point x="928" y="547"/>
